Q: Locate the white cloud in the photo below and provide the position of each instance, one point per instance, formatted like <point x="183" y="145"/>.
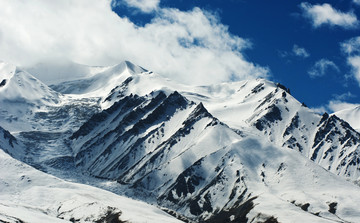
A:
<point x="299" y="51"/>
<point x="144" y="5"/>
<point x="321" y="67"/>
<point x="356" y="2"/>
<point x="344" y="96"/>
<point x="326" y="14"/>
<point x="191" y="47"/>
<point x="336" y="105"/>
<point x="351" y="46"/>
<point x="354" y="62"/>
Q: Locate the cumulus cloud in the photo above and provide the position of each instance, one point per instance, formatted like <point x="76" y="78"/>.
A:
<point x="145" y="6"/>
<point x="191" y="47"/>
<point x="299" y="51"/>
<point x="325" y="14"/>
<point x="321" y="67"/>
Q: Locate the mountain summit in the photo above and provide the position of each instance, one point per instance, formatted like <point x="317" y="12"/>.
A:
<point x="245" y="151"/>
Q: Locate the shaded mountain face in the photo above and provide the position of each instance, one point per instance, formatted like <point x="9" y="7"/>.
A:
<point x="327" y="140"/>
<point x="10" y="144"/>
<point x="234" y="152"/>
<point x="174" y="151"/>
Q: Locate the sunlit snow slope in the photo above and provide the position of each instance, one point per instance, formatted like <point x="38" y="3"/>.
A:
<point x="28" y="195"/>
<point x="351" y="115"/>
<point x="233" y="152"/>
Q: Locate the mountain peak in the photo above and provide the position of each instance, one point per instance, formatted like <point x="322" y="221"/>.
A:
<point x="7" y="70"/>
<point x="350" y="115"/>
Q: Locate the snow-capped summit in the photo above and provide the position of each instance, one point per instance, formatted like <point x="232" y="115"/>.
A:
<point x="244" y="151"/>
<point x="20" y="95"/>
<point x="351" y="115"/>
<point x="99" y="81"/>
<point x="20" y="86"/>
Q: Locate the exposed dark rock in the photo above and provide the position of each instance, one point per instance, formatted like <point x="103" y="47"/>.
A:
<point x="273" y="115"/>
<point x="294" y="124"/>
<point x="267" y="99"/>
<point x="305" y="207"/>
<point x="235" y="214"/>
<point x="333" y="207"/>
<point x="119" y="90"/>
<point x="283" y="87"/>
<point x="258" y="88"/>
<point x="125" y="104"/>
<point x="7" y="135"/>
<point x="271" y="220"/>
<point x="112" y="216"/>
<point x="3" y="82"/>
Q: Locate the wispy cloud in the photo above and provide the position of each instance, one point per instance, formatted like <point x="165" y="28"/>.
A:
<point x="321" y="67"/>
<point x="356" y="2"/>
<point x="299" y="51"/>
<point x="351" y="48"/>
<point x="145" y="6"/>
<point x="296" y="51"/>
<point x="188" y="46"/>
<point x="337" y="103"/>
<point x="325" y="14"/>
<point x="354" y="62"/>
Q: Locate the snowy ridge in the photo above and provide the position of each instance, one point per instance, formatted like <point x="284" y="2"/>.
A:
<point x="28" y="195"/>
<point x="20" y="95"/>
<point x="20" y="86"/>
<point x="351" y="115"/>
<point x="266" y="107"/>
<point x="99" y="83"/>
<point x="233" y="152"/>
<point x="203" y="169"/>
<point x="327" y="140"/>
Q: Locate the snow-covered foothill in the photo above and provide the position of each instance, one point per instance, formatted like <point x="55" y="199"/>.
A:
<point x="28" y="195"/>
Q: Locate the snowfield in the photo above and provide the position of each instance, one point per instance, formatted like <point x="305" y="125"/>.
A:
<point x="234" y="152"/>
<point x="30" y="195"/>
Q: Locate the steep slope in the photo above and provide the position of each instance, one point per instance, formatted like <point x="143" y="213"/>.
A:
<point x="99" y="81"/>
<point x="327" y="140"/>
<point x="351" y="115"/>
<point x="259" y="104"/>
<point x="211" y="153"/>
<point x="10" y="144"/>
<point x="28" y="195"/>
<point x="174" y="152"/>
<point x="20" y="95"/>
<point x="269" y="108"/>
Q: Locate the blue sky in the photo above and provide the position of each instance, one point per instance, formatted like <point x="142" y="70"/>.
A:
<point x="312" y="47"/>
<point x="285" y="39"/>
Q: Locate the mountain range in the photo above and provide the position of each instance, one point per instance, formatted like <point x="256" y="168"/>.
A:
<point x="244" y="151"/>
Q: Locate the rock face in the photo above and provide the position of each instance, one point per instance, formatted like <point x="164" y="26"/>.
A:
<point x="176" y="152"/>
<point x="327" y="140"/>
<point x="234" y="152"/>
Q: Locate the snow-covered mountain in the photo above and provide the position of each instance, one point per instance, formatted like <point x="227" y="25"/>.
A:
<point x="350" y="115"/>
<point x="234" y="152"/>
<point x="28" y="195"/>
